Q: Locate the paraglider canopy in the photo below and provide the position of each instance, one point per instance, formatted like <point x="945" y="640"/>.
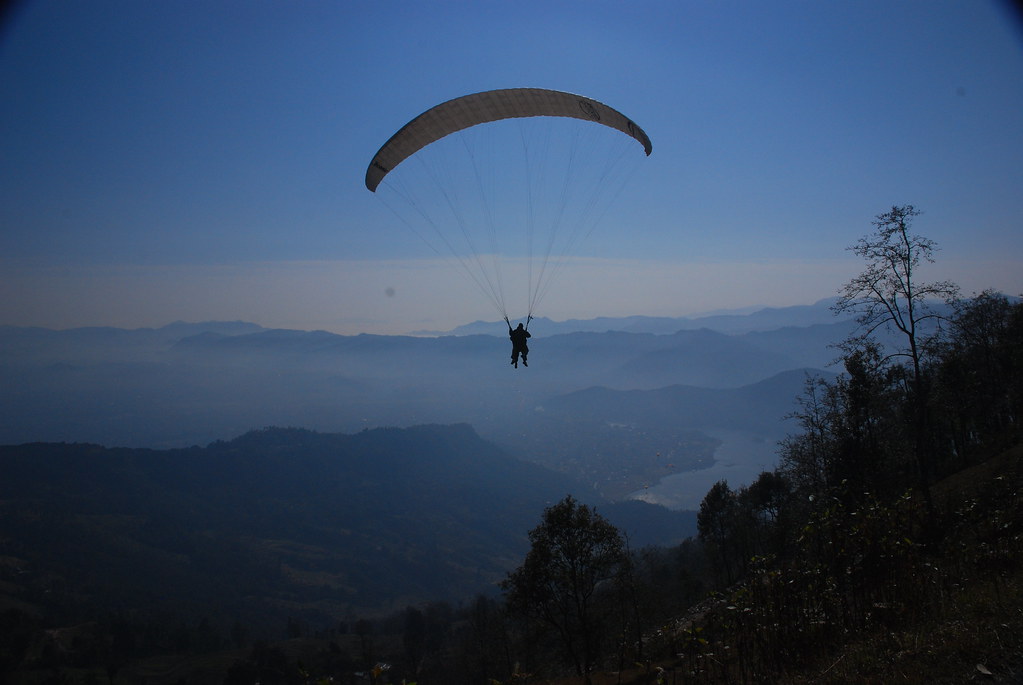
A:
<point x="492" y="105"/>
<point x="508" y="183"/>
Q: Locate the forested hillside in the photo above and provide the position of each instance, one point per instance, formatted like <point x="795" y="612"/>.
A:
<point x="277" y="525"/>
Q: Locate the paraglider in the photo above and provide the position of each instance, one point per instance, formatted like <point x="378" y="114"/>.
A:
<point x="518" y="338"/>
<point x="507" y="183"/>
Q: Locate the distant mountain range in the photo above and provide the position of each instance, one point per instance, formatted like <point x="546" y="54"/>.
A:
<point x="745" y="320"/>
<point x="192" y="384"/>
<point x="278" y="524"/>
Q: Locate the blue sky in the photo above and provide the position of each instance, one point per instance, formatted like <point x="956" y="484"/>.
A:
<point x="182" y="160"/>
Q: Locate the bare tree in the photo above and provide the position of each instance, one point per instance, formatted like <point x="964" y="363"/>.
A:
<point x="887" y="294"/>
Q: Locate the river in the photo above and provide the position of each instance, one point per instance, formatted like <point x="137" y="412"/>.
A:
<point x="739" y="459"/>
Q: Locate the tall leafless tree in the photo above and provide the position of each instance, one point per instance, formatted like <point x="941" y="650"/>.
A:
<point x="889" y="295"/>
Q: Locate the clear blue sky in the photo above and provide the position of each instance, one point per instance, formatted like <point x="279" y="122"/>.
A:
<point x="180" y="160"/>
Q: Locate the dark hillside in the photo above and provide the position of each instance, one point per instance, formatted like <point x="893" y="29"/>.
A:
<point x="275" y="523"/>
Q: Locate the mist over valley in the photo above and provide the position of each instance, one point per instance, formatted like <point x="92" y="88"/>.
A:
<point x="615" y="409"/>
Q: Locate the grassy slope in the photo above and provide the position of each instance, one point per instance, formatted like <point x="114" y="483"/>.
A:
<point x="982" y="626"/>
<point x="977" y="636"/>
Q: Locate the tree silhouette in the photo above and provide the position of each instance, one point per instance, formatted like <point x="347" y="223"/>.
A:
<point x="715" y="523"/>
<point x="414" y="638"/>
<point x="889" y="294"/>
<point x="575" y="554"/>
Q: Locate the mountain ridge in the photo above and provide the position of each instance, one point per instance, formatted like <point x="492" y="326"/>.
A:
<point x="743" y="320"/>
<point x="309" y="524"/>
<point x="191" y="384"/>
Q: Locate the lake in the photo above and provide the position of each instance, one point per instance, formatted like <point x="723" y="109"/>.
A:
<point x="739" y="459"/>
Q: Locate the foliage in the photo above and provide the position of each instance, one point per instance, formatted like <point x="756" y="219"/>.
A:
<point x="849" y="541"/>
<point x="977" y="382"/>
<point x="890" y="294"/>
<point x="856" y="573"/>
<point x="568" y="581"/>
